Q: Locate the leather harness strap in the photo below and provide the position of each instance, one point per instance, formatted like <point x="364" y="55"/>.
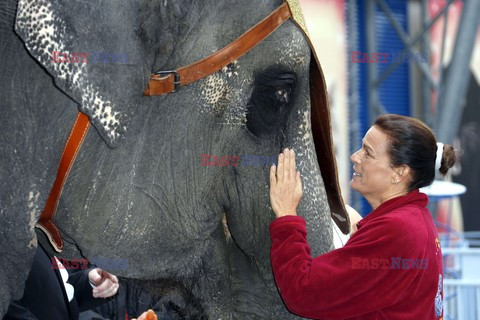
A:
<point x="163" y="82"/>
<point x="74" y="142"/>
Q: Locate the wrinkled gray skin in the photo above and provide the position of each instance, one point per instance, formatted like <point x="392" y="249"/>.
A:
<point x="138" y="190"/>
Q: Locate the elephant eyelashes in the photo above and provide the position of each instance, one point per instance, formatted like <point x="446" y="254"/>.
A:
<point x="272" y="98"/>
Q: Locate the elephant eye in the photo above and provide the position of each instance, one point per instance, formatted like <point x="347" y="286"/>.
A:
<point x="282" y="95"/>
<point x="271" y="101"/>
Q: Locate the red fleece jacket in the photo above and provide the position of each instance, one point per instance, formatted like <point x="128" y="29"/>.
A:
<point x="391" y="268"/>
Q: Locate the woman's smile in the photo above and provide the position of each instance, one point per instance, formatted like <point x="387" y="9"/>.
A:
<point x="356" y="174"/>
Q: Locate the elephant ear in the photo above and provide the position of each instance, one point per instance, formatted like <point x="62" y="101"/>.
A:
<point x="322" y="137"/>
<point x="42" y="26"/>
<point x="322" y="129"/>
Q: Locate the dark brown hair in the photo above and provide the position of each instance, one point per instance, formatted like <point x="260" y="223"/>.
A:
<point x="412" y="143"/>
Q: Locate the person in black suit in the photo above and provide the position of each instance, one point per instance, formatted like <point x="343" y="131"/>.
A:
<point x="49" y="296"/>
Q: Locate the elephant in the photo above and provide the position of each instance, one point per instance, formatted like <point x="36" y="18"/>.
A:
<point x="137" y="190"/>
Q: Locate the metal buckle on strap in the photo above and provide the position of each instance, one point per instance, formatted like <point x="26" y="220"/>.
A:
<point x="220" y="58"/>
<point x="176" y="81"/>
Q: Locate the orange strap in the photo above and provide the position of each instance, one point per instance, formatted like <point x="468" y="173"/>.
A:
<point x="74" y="142"/>
<point x="163" y="82"/>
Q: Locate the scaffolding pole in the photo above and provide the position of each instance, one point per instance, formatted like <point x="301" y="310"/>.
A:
<point x="353" y="101"/>
<point x="454" y="88"/>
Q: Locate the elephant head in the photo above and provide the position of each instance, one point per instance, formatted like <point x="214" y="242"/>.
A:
<point x="141" y="189"/>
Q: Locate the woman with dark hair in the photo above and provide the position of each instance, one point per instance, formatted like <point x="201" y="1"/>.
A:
<point x="391" y="267"/>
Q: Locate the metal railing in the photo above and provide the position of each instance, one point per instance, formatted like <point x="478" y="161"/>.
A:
<point x="461" y="265"/>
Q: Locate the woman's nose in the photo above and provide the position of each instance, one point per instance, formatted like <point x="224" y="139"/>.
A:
<point x="354" y="156"/>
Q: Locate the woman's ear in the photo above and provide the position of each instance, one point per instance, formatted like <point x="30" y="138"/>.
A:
<point x="401" y="173"/>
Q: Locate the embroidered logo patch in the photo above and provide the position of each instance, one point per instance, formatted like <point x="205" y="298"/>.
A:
<point x="439" y="297"/>
<point x="437" y="242"/>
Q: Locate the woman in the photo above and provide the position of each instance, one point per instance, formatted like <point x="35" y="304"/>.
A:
<point x="391" y="267"/>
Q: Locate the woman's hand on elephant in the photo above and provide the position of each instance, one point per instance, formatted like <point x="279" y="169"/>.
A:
<point x="285" y="185"/>
<point x="105" y="284"/>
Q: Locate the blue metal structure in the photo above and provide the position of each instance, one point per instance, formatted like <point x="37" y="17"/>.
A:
<point x="392" y="95"/>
